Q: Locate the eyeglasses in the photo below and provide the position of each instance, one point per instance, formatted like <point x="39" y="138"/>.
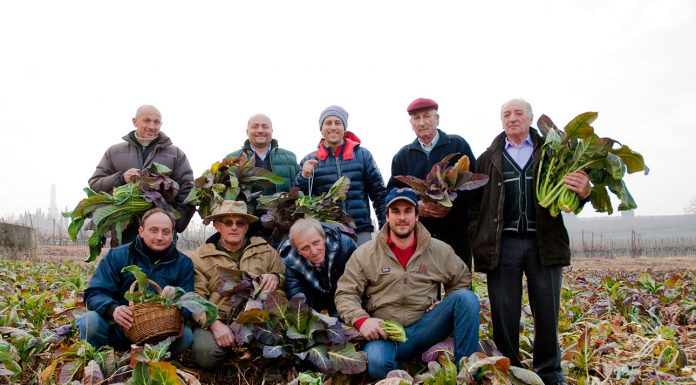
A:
<point x="238" y="223"/>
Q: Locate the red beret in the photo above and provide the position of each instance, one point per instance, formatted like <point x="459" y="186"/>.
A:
<point x="421" y="104"/>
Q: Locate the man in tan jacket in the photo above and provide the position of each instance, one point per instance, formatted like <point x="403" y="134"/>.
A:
<point x="398" y="275"/>
<point x="229" y="248"/>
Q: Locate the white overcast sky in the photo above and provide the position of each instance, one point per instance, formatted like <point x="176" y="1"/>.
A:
<point x="72" y="74"/>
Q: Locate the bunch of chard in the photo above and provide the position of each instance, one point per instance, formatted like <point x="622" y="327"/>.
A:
<point x="395" y="331"/>
<point x="103" y="211"/>
<point x="577" y="148"/>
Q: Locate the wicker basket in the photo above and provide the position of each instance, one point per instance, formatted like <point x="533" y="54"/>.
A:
<point x="153" y="322"/>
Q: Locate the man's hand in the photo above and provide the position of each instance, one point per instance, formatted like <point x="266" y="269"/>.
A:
<point x="430" y="209"/>
<point x="309" y="166"/>
<point x="223" y="335"/>
<point x="269" y="281"/>
<point x="130" y="174"/>
<point x="123" y="316"/>
<point x="431" y="307"/>
<point x="371" y="329"/>
<point x="579" y="183"/>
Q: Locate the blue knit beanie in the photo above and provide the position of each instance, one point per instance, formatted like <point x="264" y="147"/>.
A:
<point x="334" y="111"/>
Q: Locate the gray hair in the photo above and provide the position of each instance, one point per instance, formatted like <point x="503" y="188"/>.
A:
<point x="520" y="100"/>
<point x="302" y="226"/>
<point x="142" y="109"/>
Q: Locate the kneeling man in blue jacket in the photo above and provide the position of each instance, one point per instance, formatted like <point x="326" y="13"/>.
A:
<point x="156" y="255"/>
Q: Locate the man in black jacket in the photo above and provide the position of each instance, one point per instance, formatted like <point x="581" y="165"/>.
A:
<point x="512" y="235"/>
<point x="431" y="145"/>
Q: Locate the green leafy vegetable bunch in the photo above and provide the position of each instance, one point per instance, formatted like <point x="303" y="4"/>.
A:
<point x="577" y="148"/>
<point x="152" y="188"/>
<point x="395" y="331"/>
<point x="204" y="311"/>
<point x="226" y="180"/>
<point x="284" y="208"/>
<point x="442" y="182"/>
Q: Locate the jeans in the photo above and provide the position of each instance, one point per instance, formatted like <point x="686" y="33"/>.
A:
<point x="457" y="314"/>
<point x="100" y="332"/>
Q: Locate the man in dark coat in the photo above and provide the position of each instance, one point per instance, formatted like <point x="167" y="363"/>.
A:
<point x="155" y="254"/>
<point x="340" y="154"/>
<point x="142" y="147"/>
<point x="431" y="145"/>
<point x="315" y="255"/>
<point x="512" y="235"/>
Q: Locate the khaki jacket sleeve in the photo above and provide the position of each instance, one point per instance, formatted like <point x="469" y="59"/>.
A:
<point x="261" y="259"/>
<point x="277" y="266"/>
<point x="202" y="285"/>
<point x="350" y="290"/>
<point x="460" y="277"/>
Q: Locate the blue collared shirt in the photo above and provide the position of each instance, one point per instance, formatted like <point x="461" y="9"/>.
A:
<point x="428" y="147"/>
<point x="264" y="155"/>
<point x="522" y="152"/>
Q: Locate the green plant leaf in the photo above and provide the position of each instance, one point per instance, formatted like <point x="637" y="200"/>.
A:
<point x="75" y="227"/>
<point x="339" y="189"/>
<point x="298" y="313"/>
<point x="614" y="166"/>
<point x="579" y="127"/>
<point x="198" y="305"/>
<point x="545" y="124"/>
<point x="318" y="355"/>
<point x="143" y="282"/>
<point x="600" y="199"/>
<point x="633" y="160"/>
<point x="252" y="316"/>
<point x="157" y="168"/>
<point x="347" y="360"/>
<point x="277" y="305"/>
<point x="155" y="373"/>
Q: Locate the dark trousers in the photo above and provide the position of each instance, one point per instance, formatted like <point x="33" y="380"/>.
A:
<point x="520" y="256"/>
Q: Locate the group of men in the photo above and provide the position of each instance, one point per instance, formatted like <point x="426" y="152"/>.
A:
<point x="420" y="246"/>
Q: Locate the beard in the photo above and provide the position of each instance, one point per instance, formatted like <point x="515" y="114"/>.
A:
<point x="399" y="232"/>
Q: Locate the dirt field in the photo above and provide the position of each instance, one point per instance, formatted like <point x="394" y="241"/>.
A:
<point x="630" y="264"/>
<point x="79" y="253"/>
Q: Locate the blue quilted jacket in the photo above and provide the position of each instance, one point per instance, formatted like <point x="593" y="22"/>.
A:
<point x="109" y="284"/>
<point x="366" y="183"/>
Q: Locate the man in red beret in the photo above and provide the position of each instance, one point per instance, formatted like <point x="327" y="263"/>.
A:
<point x="448" y="224"/>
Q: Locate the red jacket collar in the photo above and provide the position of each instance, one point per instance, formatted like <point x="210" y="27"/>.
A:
<point x="350" y="141"/>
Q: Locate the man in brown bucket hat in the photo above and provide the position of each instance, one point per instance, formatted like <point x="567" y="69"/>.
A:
<point x="229" y="248"/>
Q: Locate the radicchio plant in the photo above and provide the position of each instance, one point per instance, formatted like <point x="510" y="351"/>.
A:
<point x="442" y="182"/>
<point x="270" y="323"/>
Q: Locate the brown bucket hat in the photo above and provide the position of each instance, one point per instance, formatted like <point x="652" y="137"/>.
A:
<point x="230" y="208"/>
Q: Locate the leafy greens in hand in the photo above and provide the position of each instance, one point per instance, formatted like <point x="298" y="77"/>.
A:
<point x="442" y="182"/>
<point x="577" y="148"/>
<point x="152" y="187"/>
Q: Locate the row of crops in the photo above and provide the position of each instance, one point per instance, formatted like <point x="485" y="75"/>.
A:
<point x="615" y="327"/>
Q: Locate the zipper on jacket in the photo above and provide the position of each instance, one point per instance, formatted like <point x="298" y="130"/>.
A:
<point x="338" y="171"/>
